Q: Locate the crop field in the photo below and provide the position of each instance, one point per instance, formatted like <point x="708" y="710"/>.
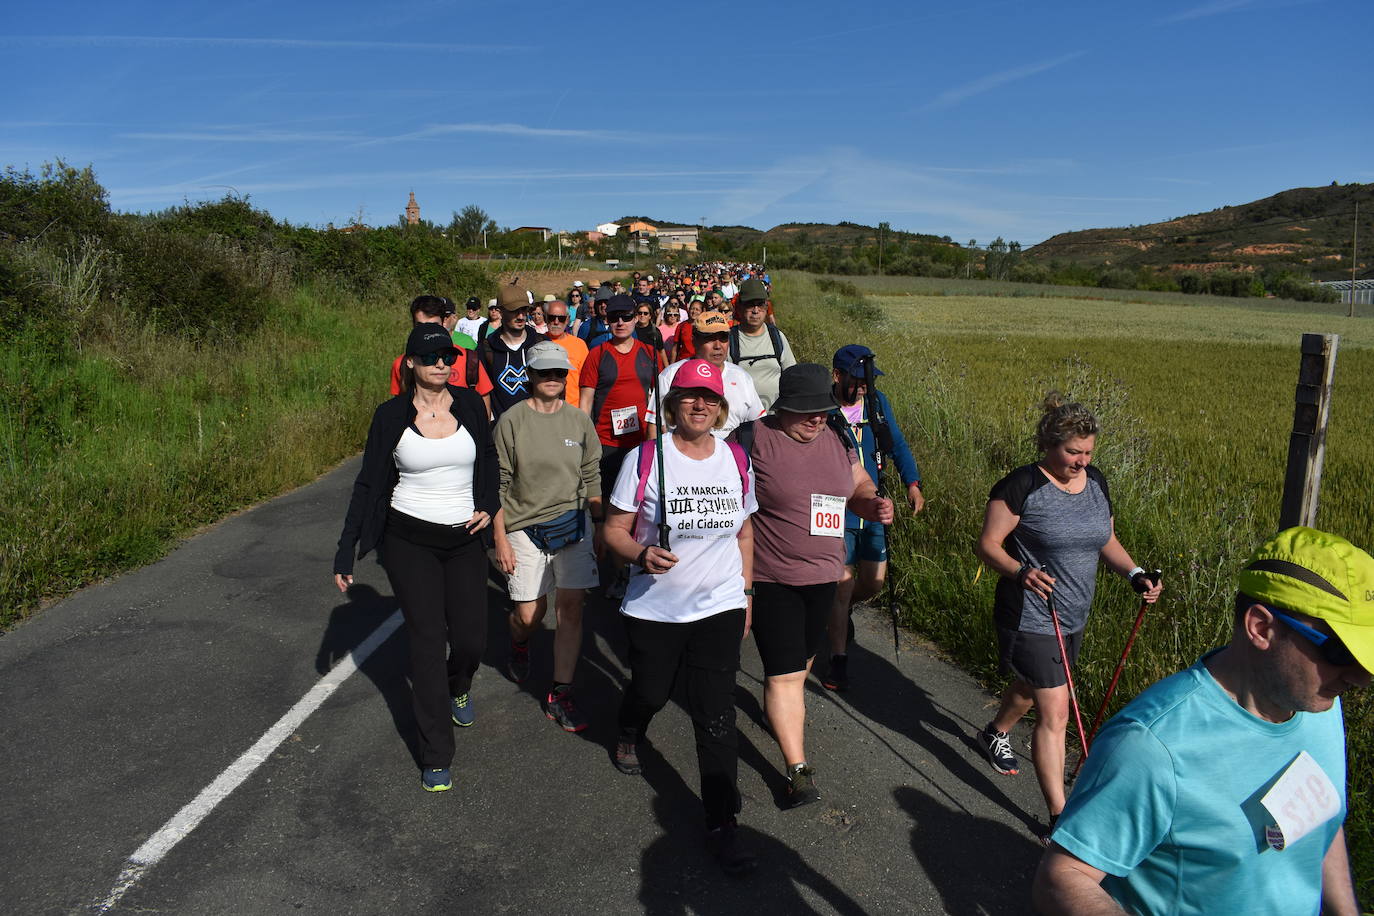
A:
<point x="1195" y="398"/>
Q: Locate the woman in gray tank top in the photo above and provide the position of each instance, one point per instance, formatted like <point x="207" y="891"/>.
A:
<point x="1046" y="527"/>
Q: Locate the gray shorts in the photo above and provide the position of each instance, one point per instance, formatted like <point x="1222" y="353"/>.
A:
<point x="1034" y="657"/>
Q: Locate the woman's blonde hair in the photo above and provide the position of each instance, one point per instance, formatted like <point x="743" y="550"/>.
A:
<point x="675" y="397"/>
<point x="1062" y="420"/>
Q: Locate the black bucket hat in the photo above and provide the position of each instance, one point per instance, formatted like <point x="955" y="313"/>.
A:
<point x="805" y="388"/>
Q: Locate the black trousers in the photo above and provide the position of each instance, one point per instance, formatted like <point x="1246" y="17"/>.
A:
<point x="439" y="576"/>
<point x="707" y="650"/>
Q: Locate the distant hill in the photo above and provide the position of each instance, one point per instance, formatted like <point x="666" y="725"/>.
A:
<point x="1307" y="230"/>
<point x="841" y="235"/>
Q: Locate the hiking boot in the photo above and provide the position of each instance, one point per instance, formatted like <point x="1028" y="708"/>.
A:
<point x="436" y="779"/>
<point x="723" y="844"/>
<point x="560" y="708"/>
<point x="801" y="786"/>
<point x="626" y="758"/>
<point x="462" y="711"/>
<point x="997" y="745"/>
<point x="837" y="676"/>
<point x="519" y="665"/>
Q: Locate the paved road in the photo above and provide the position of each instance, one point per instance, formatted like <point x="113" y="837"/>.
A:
<point x="123" y="703"/>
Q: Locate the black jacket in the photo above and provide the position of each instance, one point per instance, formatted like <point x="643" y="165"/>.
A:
<point x="366" y="519"/>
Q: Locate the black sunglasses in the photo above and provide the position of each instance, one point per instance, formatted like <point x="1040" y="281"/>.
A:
<point x="552" y="317"/>
<point x="707" y="338"/>
<point x="551" y="373"/>
<point x="447" y="357"/>
<point x="620" y="316"/>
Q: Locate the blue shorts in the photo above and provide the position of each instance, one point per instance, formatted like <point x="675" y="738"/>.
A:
<point x="867" y="544"/>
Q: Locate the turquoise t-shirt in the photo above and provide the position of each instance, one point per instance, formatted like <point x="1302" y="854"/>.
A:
<point x="1168" y="804"/>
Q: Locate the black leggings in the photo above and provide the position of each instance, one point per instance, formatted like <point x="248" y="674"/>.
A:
<point x="709" y="650"/>
<point x="439" y="576"/>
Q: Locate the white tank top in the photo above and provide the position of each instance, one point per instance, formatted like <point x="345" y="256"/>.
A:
<point x="436" y="477"/>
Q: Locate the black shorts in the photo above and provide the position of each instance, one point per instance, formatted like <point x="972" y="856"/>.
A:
<point x="1034" y="657"/>
<point x="789" y="623"/>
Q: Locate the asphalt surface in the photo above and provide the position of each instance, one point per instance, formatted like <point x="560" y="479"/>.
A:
<point x="123" y="702"/>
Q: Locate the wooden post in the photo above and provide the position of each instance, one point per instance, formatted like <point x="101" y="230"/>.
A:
<point x="1307" y="444"/>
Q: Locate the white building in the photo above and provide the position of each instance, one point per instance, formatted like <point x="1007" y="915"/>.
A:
<point x="608" y="228"/>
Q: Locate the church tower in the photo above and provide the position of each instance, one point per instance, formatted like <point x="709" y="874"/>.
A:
<point x="412" y="211"/>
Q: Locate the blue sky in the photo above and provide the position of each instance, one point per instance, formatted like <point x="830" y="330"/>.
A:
<point x="972" y="120"/>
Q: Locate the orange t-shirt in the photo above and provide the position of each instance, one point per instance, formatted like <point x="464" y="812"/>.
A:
<point x="577" y="355"/>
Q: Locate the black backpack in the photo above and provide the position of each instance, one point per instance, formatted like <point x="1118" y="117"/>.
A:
<point x="773" y="334"/>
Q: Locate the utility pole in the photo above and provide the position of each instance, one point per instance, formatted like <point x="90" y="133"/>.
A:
<point x="1354" y="251"/>
<point x="1302" y="482"/>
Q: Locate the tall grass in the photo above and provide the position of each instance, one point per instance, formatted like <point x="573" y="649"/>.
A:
<point x="109" y="454"/>
<point x="1195" y="430"/>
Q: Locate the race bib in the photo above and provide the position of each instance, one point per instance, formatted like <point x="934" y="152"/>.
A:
<point x="1301" y="801"/>
<point x="624" y="420"/>
<point x="827" y="515"/>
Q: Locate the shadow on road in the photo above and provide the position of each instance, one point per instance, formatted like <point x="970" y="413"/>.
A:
<point x="363" y="611"/>
<point x="977" y="865"/>
<point x="678" y="875"/>
<point x="883" y="694"/>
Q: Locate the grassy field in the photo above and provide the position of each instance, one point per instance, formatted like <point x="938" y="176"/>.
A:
<point x="111" y="455"/>
<point x="1196" y="403"/>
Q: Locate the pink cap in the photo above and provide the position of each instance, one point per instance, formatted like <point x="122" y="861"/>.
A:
<point x="698" y="373"/>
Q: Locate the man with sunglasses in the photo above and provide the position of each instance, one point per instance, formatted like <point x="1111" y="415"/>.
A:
<point x="503" y="353"/>
<point x="557" y="316"/>
<point x="1222" y="789"/>
<point x="712" y="333"/>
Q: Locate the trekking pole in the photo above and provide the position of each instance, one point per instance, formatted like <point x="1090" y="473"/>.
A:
<point x="1068" y="675"/>
<point x="662" y="520"/>
<point x="1153" y="578"/>
<point x="882" y="438"/>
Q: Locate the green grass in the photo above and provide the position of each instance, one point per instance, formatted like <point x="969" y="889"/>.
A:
<point x="1196" y="403"/>
<point x="921" y="287"/>
<point x="109" y="457"/>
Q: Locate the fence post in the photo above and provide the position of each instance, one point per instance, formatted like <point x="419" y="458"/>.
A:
<point x="1307" y="443"/>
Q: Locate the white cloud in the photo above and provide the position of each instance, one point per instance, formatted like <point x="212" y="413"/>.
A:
<point x="951" y="97"/>
<point x="1212" y="8"/>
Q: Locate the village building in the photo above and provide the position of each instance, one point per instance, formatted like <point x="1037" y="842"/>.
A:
<point x="412" y="211"/>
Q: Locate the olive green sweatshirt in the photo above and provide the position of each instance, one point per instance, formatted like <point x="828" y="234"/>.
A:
<point x="550" y="463"/>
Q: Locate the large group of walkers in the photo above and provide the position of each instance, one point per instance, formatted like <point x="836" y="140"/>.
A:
<point x="658" y="443"/>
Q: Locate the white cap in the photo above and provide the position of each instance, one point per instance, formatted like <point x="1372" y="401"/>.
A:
<point x="491" y="303"/>
<point x="577" y="283"/>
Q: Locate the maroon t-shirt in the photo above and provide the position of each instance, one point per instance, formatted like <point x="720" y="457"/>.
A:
<point x="786" y="474"/>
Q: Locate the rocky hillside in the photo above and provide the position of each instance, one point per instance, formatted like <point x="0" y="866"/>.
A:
<point x="1306" y="230"/>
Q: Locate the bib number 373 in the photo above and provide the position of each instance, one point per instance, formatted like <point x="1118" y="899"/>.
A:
<point x="827" y="515"/>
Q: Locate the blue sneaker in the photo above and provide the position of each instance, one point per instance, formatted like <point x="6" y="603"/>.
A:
<point x="462" y="711"/>
<point x="437" y="779"/>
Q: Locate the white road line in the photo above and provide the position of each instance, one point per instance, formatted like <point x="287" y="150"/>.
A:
<point x="189" y="817"/>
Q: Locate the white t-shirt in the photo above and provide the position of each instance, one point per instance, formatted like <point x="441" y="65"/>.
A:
<point x="705" y="513"/>
<point x="470" y="326"/>
<point x="435" y="482"/>
<point x="740" y="393"/>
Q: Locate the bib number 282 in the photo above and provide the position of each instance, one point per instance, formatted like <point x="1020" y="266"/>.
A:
<point x="827" y="515"/>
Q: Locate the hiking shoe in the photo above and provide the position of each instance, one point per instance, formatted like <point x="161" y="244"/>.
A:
<point x="436" y="779"/>
<point x="801" y="786"/>
<point x="997" y="745"/>
<point x="626" y="758"/>
<point x="723" y="844"/>
<point x="837" y="676"/>
<point x="519" y="664"/>
<point x="560" y="708"/>
<point x="462" y="711"/>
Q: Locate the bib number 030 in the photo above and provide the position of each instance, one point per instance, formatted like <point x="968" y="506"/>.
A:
<point x="827" y="515"/>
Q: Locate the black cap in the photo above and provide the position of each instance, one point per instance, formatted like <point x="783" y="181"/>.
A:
<point x="473" y="303"/>
<point x="428" y="338"/>
<point x="603" y="293"/>
<point x="618" y="304"/>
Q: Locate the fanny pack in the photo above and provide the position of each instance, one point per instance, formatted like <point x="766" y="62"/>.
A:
<point x="568" y="528"/>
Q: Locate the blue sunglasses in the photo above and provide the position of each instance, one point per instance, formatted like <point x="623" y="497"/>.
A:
<point x="1332" y="649"/>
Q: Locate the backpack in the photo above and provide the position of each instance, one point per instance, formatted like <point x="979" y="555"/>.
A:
<point x="646" y="464"/>
<point x="773" y="334"/>
<point x="470" y="365"/>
